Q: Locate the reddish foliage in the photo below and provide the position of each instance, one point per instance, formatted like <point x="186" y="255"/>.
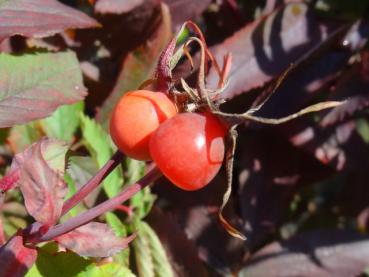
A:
<point x="94" y="239"/>
<point x="42" y="186"/>
<point x="15" y="258"/>
<point x="2" y="234"/>
<point x="186" y="10"/>
<point x="264" y="48"/>
<point x="318" y="253"/>
<point x="40" y="18"/>
<point x="10" y="180"/>
<point x="112" y="6"/>
<point x="27" y="98"/>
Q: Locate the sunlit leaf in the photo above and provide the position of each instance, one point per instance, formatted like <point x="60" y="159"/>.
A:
<point x="22" y="136"/>
<point x="116" y="7"/>
<point x="95" y="240"/>
<point x="120" y="230"/>
<point x="72" y="189"/>
<point x="182" y="11"/>
<point x="265" y="47"/>
<point x="106" y="270"/>
<point x="63" y="123"/>
<point x="143" y="256"/>
<point x="41" y="181"/>
<point x="319" y="253"/>
<point x="82" y="169"/>
<point x="39" y="18"/>
<point x="57" y="264"/>
<point x="32" y="86"/>
<point x="143" y="200"/>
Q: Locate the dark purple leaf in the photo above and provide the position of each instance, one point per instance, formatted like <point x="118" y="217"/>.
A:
<point x="182" y="11"/>
<point x="95" y="240"/>
<point x="39" y="18"/>
<point x="317" y="253"/>
<point x="264" y="48"/>
<point x="334" y="140"/>
<point x="181" y="250"/>
<point x="269" y="174"/>
<point x="116" y="7"/>
<point x="196" y="213"/>
<point x="340" y="113"/>
<point x="15" y="258"/>
<point x="41" y="181"/>
<point x="34" y="85"/>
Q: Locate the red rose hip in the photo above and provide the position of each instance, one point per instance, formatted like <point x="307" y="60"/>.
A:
<point x="135" y="117"/>
<point x="189" y="149"/>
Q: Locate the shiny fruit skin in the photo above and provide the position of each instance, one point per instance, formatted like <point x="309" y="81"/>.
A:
<point x="135" y="117"/>
<point x="189" y="149"/>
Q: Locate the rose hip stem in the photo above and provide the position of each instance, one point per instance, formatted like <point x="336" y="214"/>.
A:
<point x="84" y="218"/>
<point x="93" y="183"/>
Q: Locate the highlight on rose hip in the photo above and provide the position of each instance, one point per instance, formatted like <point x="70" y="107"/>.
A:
<point x="172" y="139"/>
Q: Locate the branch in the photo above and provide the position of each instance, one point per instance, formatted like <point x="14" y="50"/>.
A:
<point x="93" y="183"/>
<point x="84" y="218"/>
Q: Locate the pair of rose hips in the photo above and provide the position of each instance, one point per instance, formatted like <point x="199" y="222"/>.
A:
<point x="187" y="147"/>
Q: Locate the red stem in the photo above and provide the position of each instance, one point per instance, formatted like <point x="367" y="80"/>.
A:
<point x="2" y="235"/>
<point x="84" y="218"/>
<point x="93" y="183"/>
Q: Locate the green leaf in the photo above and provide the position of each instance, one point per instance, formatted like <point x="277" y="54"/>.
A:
<point x="22" y="136"/>
<point x="54" y="151"/>
<point x="32" y="86"/>
<point x="150" y="255"/>
<point x="81" y="170"/>
<point x="362" y="126"/>
<point x="12" y="224"/>
<point x="63" y="123"/>
<point x="117" y="225"/>
<point x="143" y="200"/>
<point x="59" y="264"/>
<point x="106" y="270"/>
<point x="99" y="144"/>
<point x="143" y="255"/>
<point x="71" y="190"/>
<point x="134" y="170"/>
<point x="121" y="231"/>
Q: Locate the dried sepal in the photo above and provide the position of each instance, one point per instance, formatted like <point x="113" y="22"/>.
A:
<point x="192" y="93"/>
<point x="169" y="58"/>
<point x="207" y="96"/>
<point x="231" y="139"/>
<point x="227" y="63"/>
<point x="236" y="119"/>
